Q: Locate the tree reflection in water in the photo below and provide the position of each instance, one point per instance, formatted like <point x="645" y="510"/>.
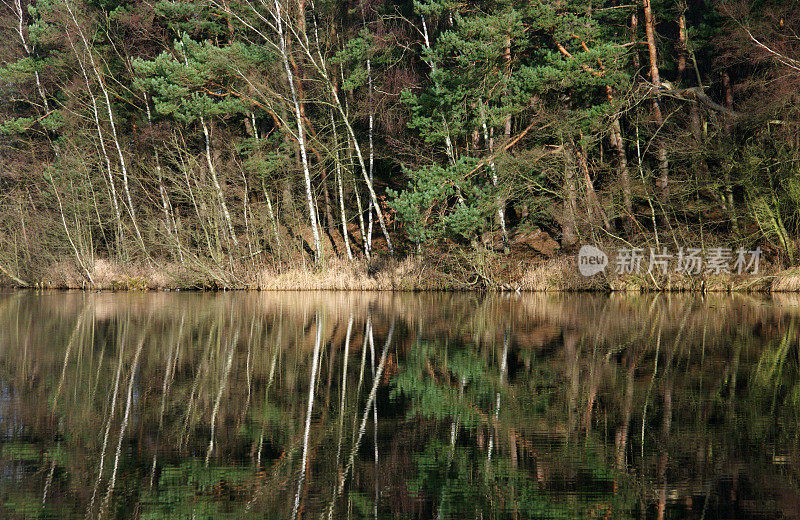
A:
<point x="378" y="405"/>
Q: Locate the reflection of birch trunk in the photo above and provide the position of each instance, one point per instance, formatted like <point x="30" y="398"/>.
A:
<point x="374" y="424"/>
<point x="364" y="418"/>
<point x="342" y="401"/>
<point x="222" y="386"/>
<point x="131" y="381"/>
<point x="453" y="435"/>
<point x="650" y="389"/>
<point x="664" y="459"/>
<point x="70" y="344"/>
<point x="270" y="379"/>
<point x="344" y="388"/>
<point x="311" y="386"/>
<point x="169" y="371"/>
<point x="624" y="429"/>
<point x="111" y="412"/>
<point x="367" y="332"/>
<point x="503" y="370"/>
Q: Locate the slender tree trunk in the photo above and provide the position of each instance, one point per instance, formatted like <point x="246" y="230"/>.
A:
<point x="364" y="171"/>
<point x="102" y="143"/>
<point x="568" y="224"/>
<point x="338" y="167"/>
<point x="622" y="166"/>
<point x="371" y="148"/>
<point x="273" y="220"/>
<point x="635" y="39"/>
<point x="112" y="123"/>
<point x="592" y="200"/>
<point x="29" y="51"/>
<point x="726" y="85"/>
<point x="501" y="217"/>
<point x="301" y="139"/>
<point x="213" y="171"/>
<point x="169" y="221"/>
<point x="662" y="182"/>
<point x="683" y="47"/>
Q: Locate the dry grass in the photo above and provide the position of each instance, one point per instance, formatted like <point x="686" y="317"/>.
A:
<point x="410" y="274"/>
<point x="108" y="275"/>
<point x="787" y="281"/>
<point x="339" y="275"/>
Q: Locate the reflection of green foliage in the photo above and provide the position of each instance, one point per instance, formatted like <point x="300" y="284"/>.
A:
<point x="433" y="399"/>
<point x="458" y="479"/>
<point x="28" y="505"/>
<point x="21" y="451"/>
<point x="192" y="490"/>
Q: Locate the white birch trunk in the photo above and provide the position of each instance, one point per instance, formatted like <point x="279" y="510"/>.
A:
<point x="312" y="215"/>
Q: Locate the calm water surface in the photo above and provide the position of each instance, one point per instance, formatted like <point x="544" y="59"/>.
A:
<point x="337" y="405"/>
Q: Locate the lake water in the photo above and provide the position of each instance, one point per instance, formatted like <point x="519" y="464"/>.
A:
<point x="413" y="406"/>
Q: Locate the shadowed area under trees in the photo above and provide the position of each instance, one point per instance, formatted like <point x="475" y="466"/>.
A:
<point x="224" y="143"/>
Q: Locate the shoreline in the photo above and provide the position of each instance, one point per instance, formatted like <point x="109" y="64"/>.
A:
<point x="558" y="275"/>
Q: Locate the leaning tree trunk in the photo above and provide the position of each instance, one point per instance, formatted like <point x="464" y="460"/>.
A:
<point x="96" y="114"/>
<point x="213" y="171"/>
<point x="112" y="123"/>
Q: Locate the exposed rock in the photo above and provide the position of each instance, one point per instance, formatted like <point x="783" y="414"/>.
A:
<point x="538" y="241"/>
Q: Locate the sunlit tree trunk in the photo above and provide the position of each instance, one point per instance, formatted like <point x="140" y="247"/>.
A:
<point x="371" y="147"/>
<point x="169" y="220"/>
<point x="112" y="123"/>
<point x="301" y="139"/>
<point x="213" y="171"/>
<point x="570" y="204"/>
<point x="340" y="190"/>
<point x="102" y="143"/>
